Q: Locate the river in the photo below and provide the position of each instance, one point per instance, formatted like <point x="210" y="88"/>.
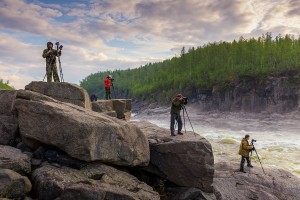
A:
<point x="277" y="136"/>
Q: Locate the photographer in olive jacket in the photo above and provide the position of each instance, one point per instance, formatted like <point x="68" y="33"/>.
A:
<point x="175" y="114"/>
<point x="50" y="55"/>
<point x="244" y="151"/>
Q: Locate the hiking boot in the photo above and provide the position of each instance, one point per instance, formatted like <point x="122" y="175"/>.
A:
<point x="242" y="170"/>
<point x="249" y="165"/>
<point x="180" y="133"/>
<point x="172" y="134"/>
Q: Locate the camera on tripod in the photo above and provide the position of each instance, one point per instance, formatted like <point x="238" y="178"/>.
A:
<point x="184" y="100"/>
<point x="57" y="44"/>
<point x="253" y="140"/>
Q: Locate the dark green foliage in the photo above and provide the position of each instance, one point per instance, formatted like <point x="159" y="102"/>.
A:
<point x="5" y="86"/>
<point x="218" y="63"/>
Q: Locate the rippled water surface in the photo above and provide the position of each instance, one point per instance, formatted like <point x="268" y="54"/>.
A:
<point x="277" y="136"/>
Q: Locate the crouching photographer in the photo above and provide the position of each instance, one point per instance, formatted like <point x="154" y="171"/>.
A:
<point x="176" y="106"/>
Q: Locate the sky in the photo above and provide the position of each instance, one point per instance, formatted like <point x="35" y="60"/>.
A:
<point x="101" y="35"/>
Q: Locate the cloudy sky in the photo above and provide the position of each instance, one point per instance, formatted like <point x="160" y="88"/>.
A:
<point x="100" y="35"/>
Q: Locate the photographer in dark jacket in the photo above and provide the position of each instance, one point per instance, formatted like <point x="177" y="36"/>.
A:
<point x="175" y="114"/>
<point x="50" y="55"/>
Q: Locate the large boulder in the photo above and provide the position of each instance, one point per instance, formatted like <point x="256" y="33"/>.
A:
<point x="14" y="159"/>
<point x="81" y="133"/>
<point x="13" y="185"/>
<point x="184" y="160"/>
<point x="276" y="184"/>
<point x="102" y="106"/>
<point x="8" y="120"/>
<point x="65" y="92"/>
<point x="95" y="181"/>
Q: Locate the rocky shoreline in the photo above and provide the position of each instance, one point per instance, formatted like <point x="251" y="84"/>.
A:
<point x="56" y="144"/>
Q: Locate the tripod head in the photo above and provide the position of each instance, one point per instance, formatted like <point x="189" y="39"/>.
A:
<point x="57" y="44"/>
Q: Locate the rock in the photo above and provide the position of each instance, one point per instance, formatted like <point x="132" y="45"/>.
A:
<point x="95" y="181"/>
<point x="13" y="185"/>
<point x="64" y="92"/>
<point x="187" y="194"/>
<point x="119" y="107"/>
<point x="14" y="159"/>
<point x="102" y="106"/>
<point x="276" y="184"/>
<point x="8" y="129"/>
<point x="81" y="133"/>
<point x="8" y="120"/>
<point x="111" y="113"/>
<point x="185" y="160"/>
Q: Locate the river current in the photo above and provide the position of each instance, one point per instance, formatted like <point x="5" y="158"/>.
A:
<point x="277" y="136"/>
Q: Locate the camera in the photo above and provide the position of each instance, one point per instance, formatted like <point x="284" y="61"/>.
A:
<point x="253" y="140"/>
<point x="184" y="100"/>
<point x="57" y="44"/>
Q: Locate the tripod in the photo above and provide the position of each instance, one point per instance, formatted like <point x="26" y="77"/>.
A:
<point x="59" y="63"/>
<point x="256" y="154"/>
<point x="184" y="111"/>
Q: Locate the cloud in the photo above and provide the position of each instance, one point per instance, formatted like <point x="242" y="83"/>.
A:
<point x="147" y="31"/>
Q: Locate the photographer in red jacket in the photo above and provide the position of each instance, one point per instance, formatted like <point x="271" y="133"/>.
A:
<point x="107" y="85"/>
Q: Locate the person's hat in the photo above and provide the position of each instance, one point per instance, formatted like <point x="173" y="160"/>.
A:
<point x="179" y="95"/>
<point x="110" y="76"/>
<point x="49" y="43"/>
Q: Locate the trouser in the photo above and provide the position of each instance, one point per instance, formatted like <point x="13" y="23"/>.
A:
<point x="243" y="162"/>
<point x="175" y="117"/>
<point x="107" y="93"/>
<point x="52" y="70"/>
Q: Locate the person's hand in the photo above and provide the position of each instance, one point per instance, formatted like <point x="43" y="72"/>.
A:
<point x="50" y="51"/>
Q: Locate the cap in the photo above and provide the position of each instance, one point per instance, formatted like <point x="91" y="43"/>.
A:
<point x="179" y="95"/>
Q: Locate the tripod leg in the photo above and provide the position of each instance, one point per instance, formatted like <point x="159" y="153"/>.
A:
<point x="189" y="120"/>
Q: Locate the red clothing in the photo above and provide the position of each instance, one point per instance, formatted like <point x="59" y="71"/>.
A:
<point x="107" y="82"/>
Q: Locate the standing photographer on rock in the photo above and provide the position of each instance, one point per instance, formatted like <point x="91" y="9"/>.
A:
<point x="244" y="151"/>
<point x="50" y="55"/>
<point x="107" y="86"/>
<point x="175" y="113"/>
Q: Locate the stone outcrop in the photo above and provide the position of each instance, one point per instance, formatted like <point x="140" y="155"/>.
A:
<point x="280" y="94"/>
<point x="13" y="185"/>
<point x="81" y="133"/>
<point x="14" y="159"/>
<point x="8" y="119"/>
<point x="121" y="108"/>
<point x="95" y="181"/>
<point x="65" y="92"/>
<point x="276" y="184"/>
<point x="184" y="160"/>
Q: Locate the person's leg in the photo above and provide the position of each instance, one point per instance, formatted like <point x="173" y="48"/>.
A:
<point x="48" y="72"/>
<point x="55" y="75"/>
<point x="242" y="164"/>
<point x="106" y="93"/>
<point x="248" y="162"/>
<point x="172" y="124"/>
<point x="109" y="97"/>
<point x="179" y="124"/>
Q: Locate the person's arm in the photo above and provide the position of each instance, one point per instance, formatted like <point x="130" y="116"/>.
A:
<point x="246" y="146"/>
<point x="176" y="102"/>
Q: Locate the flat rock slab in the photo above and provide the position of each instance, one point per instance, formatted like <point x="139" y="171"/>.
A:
<point x="14" y="159"/>
<point x="81" y="133"/>
<point x="13" y="185"/>
<point x="95" y="181"/>
<point x="185" y="160"/>
<point x="276" y="184"/>
<point x="65" y="92"/>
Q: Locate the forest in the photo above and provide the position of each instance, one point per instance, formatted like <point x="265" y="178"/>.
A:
<point x="217" y="63"/>
<point x="5" y="86"/>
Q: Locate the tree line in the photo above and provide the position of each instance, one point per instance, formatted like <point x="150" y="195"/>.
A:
<point x="217" y="63"/>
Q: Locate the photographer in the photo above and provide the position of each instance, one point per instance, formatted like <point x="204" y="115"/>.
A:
<point x="175" y="113"/>
<point x="244" y="151"/>
<point x="50" y="55"/>
<point x="107" y="84"/>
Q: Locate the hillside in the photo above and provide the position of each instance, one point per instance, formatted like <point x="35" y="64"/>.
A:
<point x="214" y="64"/>
<point x="4" y="86"/>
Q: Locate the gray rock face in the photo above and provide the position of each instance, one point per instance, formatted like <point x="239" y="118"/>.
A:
<point x="102" y="106"/>
<point x="13" y="185"/>
<point x="8" y="120"/>
<point x="276" y="184"/>
<point x="81" y="133"/>
<point x="95" y="181"/>
<point x="274" y="94"/>
<point x="14" y="159"/>
<point x="184" y="160"/>
<point x="64" y="92"/>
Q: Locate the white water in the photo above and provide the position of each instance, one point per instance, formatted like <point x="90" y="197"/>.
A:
<point x="278" y="142"/>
